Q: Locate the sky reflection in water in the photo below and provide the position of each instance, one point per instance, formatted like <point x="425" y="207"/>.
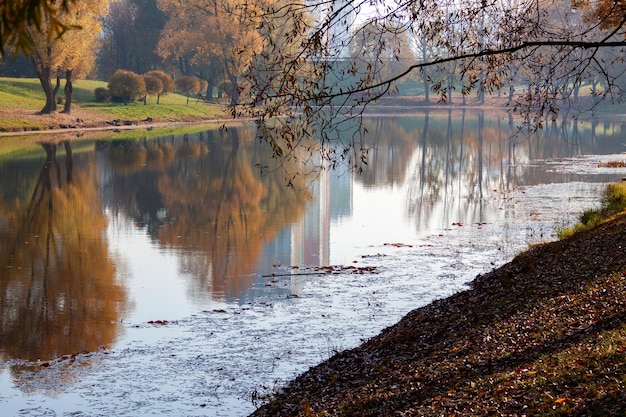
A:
<point x="185" y="230"/>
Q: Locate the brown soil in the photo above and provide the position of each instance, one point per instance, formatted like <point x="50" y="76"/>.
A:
<point x="543" y="335"/>
<point x="78" y="118"/>
<point x="81" y="123"/>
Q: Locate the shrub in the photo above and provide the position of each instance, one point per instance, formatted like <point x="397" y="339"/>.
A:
<point x="203" y="86"/>
<point x="166" y="81"/>
<point x="126" y="86"/>
<point x="102" y="94"/>
<point x="154" y="86"/>
<point x="188" y="85"/>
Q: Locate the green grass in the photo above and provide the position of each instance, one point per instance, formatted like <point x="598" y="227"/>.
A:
<point x="21" y="93"/>
<point x="26" y="95"/>
<point x="613" y="202"/>
<point x="160" y="112"/>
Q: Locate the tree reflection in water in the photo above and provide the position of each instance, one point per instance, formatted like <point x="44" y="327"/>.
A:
<point x="58" y="287"/>
<point x="205" y="199"/>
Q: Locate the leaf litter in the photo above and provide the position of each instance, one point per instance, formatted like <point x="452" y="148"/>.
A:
<point x="543" y="335"/>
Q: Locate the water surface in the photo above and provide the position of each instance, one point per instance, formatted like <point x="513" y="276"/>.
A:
<point x="168" y="275"/>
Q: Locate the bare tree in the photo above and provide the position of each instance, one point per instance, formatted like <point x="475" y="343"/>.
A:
<point x="474" y="46"/>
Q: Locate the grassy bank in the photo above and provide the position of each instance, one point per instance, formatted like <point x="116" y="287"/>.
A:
<point x="543" y="335"/>
<point x="22" y="98"/>
<point x="613" y="202"/>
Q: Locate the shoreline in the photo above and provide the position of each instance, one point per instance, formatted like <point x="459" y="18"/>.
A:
<point x="544" y="334"/>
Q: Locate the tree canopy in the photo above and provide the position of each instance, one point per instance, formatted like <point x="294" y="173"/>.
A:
<point x="216" y="34"/>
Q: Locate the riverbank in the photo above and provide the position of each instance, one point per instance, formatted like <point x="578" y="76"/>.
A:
<point x="543" y="335"/>
<point x="22" y="98"/>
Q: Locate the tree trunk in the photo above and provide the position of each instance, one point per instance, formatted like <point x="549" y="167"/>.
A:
<point x="69" y="91"/>
<point x="426" y="87"/>
<point x="56" y="90"/>
<point x="43" y="73"/>
<point x="209" y="90"/>
<point x="234" y="96"/>
<point x="576" y="92"/>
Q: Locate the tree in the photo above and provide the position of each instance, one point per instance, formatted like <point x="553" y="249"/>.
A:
<point x="382" y="50"/>
<point x="77" y="46"/>
<point x="126" y="86"/>
<point x="154" y="86"/>
<point x="474" y="46"/>
<point x="130" y="35"/>
<point x="70" y="53"/>
<point x="188" y="85"/>
<point x="167" y="82"/>
<point x="229" y="38"/>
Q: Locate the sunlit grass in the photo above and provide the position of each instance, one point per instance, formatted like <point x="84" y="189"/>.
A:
<point x="22" y="98"/>
<point x="21" y="93"/>
<point x="160" y="112"/>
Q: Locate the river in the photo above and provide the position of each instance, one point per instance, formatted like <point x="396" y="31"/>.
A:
<point x="166" y="274"/>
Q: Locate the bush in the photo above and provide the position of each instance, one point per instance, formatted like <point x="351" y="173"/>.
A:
<point x="166" y="81"/>
<point x="154" y="86"/>
<point x="126" y="86"/>
<point x="188" y="85"/>
<point x="102" y="94"/>
<point x="203" y="86"/>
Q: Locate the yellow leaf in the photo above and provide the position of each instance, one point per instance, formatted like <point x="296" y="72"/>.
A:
<point x="560" y="400"/>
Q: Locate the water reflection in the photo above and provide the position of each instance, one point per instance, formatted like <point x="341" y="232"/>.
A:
<point x="452" y="162"/>
<point x="202" y="203"/>
<point x="203" y="197"/>
<point x="59" y="290"/>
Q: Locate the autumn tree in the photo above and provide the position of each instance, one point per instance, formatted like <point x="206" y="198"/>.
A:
<point x="126" y="86"/>
<point x="473" y="47"/>
<point x="70" y="54"/>
<point x="212" y="33"/>
<point x="167" y="82"/>
<point x="188" y="86"/>
<point x="154" y="86"/>
<point x="77" y="46"/>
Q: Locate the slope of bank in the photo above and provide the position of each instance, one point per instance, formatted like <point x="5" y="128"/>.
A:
<point x="543" y="335"/>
